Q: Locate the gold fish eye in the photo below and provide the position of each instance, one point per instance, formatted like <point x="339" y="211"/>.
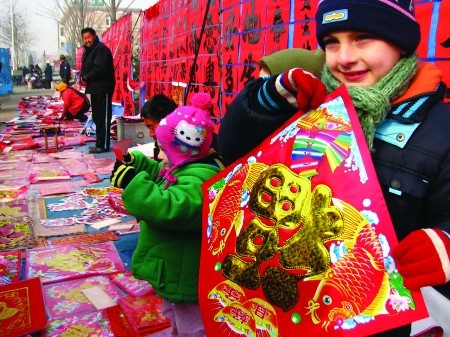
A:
<point x="286" y="206"/>
<point x="222" y="231"/>
<point x="327" y="299"/>
<point x="266" y="197"/>
<point x="294" y="189"/>
<point x="275" y="182"/>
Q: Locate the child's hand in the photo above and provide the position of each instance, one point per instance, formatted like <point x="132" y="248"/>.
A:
<point x="122" y="175"/>
<point x="422" y="258"/>
<point x="128" y="158"/>
<point x="309" y="91"/>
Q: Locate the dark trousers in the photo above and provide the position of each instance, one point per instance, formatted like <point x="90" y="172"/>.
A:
<point x="80" y="115"/>
<point x="101" y="105"/>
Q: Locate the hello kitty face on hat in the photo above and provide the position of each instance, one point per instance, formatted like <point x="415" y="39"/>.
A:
<point x="185" y="134"/>
<point x="192" y="136"/>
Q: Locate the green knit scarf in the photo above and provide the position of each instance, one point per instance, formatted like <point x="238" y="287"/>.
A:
<point x="372" y="104"/>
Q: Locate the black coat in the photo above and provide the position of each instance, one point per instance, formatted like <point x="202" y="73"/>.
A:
<point x="98" y="69"/>
<point x="64" y="71"/>
<point x="48" y="72"/>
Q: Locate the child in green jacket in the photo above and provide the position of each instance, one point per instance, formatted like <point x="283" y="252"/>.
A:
<point x="167" y="198"/>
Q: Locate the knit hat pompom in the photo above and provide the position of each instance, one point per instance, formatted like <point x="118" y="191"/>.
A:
<point x="202" y="101"/>
<point x="391" y="20"/>
<point x="185" y="135"/>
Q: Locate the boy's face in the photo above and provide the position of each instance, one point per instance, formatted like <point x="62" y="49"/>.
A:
<point x="151" y="125"/>
<point x="359" y="59"/>
<point x="162" y="156"/>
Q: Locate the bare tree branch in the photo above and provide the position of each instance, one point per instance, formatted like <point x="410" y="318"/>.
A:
<point x="22" y="35"/>
<point x="74" y="15"/>
<point x="113" y="5"/>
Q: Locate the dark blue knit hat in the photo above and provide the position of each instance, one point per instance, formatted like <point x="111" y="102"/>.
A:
<point x="392" y="20"/>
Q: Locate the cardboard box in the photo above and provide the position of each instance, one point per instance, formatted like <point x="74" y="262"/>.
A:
<point x="134" y="129"/>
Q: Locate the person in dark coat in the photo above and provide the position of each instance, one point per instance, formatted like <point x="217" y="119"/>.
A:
<point x="48" y="73"/>
<point x="64" y="69"/>
<point x="97" y="72"/>
<point x="24" y="71"/>
<point x="38" y="69"/>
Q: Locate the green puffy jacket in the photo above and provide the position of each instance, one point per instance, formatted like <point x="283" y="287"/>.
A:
<point x="168" y="250"/>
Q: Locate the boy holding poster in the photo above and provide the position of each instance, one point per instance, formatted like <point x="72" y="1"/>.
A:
<point x="370" y="47"/>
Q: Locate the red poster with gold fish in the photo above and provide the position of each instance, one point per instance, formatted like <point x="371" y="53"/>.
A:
<point x="297" y="238"/>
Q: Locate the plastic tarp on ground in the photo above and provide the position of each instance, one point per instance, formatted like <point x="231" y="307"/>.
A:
<point x="5" y="72"/>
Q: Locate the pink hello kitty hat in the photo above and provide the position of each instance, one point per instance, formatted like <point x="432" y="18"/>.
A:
<point x="185" y="135"/>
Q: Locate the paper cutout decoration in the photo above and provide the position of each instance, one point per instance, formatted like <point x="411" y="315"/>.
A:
<point x="84" y="238"/>
<point x="119" y="323"/>
<point x="46" y="172"/>
<point x="21" y="308"/>
<point x="43" y="230"/>
<point x="10" y="191"/>
<point x="297" y="238"/>
<point x="66" y="298"/>
<point x="72" y="261"/>
<point x="131" y="285"/>
<point x="91" y="324"/>
<point x="10" y="263"/>
<point x="91" y="177"/>
<point x="144" y="313"/>
<point x="15" y="209"/>
<point x="16" y="233"/>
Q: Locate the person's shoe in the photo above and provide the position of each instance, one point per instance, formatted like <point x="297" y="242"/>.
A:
<point x="98" y="150"/>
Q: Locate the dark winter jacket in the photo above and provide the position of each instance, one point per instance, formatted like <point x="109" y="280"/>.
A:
<point x="48" y="72"/>
<point x="411" y="154"/>
<point x="248" y="122"/>
<point x="64" y="71"/>
<point x="412" y="158"/>
<point x="98" y="69"/>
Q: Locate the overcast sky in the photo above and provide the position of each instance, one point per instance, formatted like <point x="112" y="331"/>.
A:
<point x="43" y="29"/>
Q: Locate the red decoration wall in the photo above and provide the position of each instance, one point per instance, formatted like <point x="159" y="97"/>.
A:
<point x="118" y="38"/>
<point x="238" y="33"/>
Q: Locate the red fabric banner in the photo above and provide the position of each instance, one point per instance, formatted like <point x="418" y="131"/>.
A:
<point x="238" y="33"/>
<point x="118" y="39"/>
<point x="78" y="58"/>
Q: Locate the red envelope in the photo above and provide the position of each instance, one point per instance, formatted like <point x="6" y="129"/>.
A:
<point x="121" y="148"/>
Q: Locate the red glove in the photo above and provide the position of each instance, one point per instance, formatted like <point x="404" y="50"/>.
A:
<point x="422" y="258"/>
<point x="301" y="89"/>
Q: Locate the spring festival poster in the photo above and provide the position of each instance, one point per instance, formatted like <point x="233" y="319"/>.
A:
<point x="297" y="239"/>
